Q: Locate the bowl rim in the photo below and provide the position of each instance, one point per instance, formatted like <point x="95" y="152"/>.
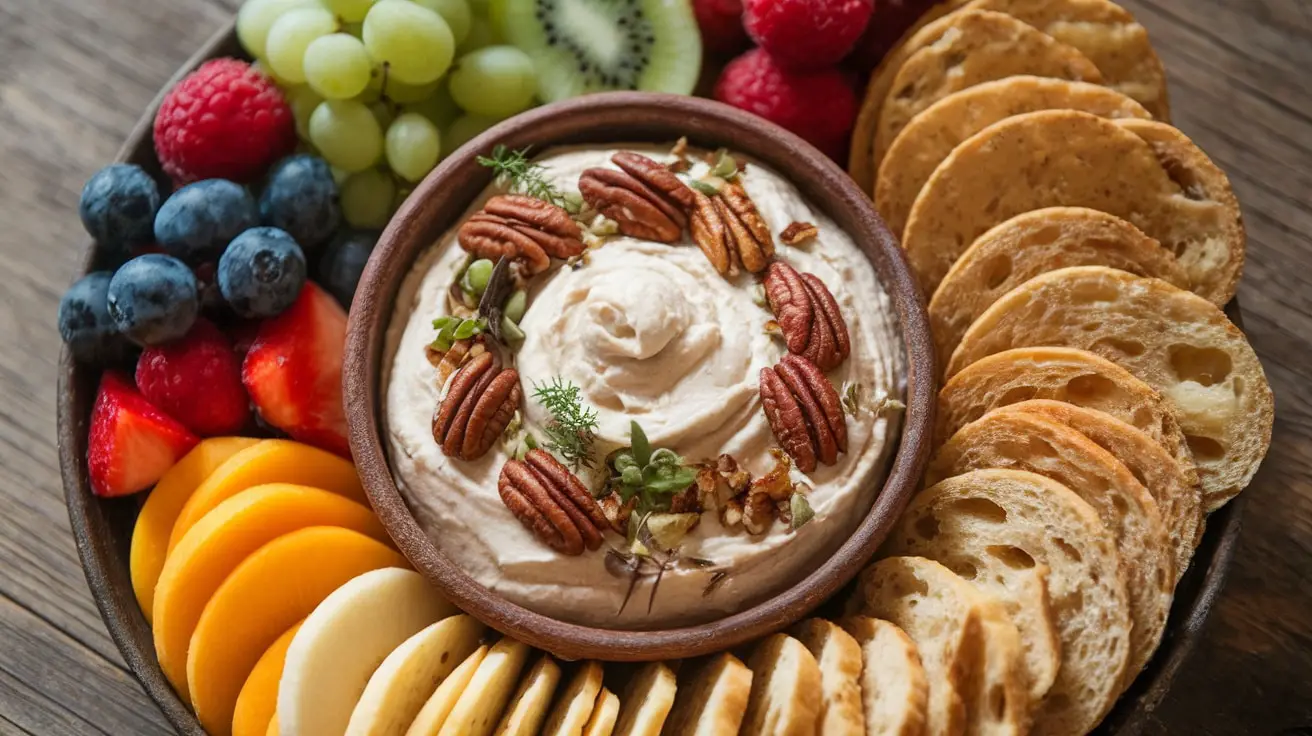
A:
<point x="632" y="117"/>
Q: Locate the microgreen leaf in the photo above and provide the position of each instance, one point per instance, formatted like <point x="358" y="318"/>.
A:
<point x="641" y="446"/>
<point x="801" y="510"/>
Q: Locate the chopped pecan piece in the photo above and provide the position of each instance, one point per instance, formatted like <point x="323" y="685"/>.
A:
<point x="552" y="503"/>
<point x="808" y="316"/>
<point x="617" y="512"/>
<point x="460" y="352"/>
<point x="524" y="229"/>
<point x="798" y="232"/>
<point x="758" y="513"/>
<point x="646" y="199"/>
<point x="478" y="405"/>
<point x="776" y="484"/>
<point x="804" y="412"/>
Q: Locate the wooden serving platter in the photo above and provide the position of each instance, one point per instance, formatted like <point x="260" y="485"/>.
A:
<point x="103" y="527"/>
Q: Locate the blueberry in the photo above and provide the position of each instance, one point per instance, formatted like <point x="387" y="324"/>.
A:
<point x="85" y="324"/>
<point x="301" y="198"/>
<point x="343" y="262"/>
<point x="261" y="272"/>
<point x="118" y="206"/>
<point x="200" y="219"/>
<point x="153" y="299"/>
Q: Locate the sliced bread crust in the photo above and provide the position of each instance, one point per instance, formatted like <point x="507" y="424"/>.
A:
<point x="528" y="706"/>
<point x="575" y="703"/>
<point x="1021" y="441"/>
<point x="839" y="657"/>
<point x="991" y="524"/>
<point x="893" y="685"/>
<point x="713" y="701"/>
<point x="1175" y="341"/>
<point x="647" y="701"/>
<point x="785" y="688"/>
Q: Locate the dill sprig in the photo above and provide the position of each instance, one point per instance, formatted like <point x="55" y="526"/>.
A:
<point x="572" y="430"/>
<point x="517" y="174"/>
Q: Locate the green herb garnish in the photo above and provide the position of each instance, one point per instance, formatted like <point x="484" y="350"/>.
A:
<point x="572" y="430"/>
<point x="800" y="509"/>
<point x="451" y="328"/>
<point x="516" y="173"/>
<point x="654" y="476"/>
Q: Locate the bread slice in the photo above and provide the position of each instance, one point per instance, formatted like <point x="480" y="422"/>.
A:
<point x="480" y="706"/>
<point x="1070" y="158"/>
<point x="1107" y="34"/>
<point x="785" y="697"/>
<point x="1173" y="486"/>
<point x="968" y="647"/>
<point x="1033" y="243"/>
<point x="573" y="707"/>
<point x="931" y="135"/>
<point x="1061" y="374"/>
<point x="990" y="525"/>
<point x="893" y="686"/>
<point x="528" y="706"/>
<point x="1021" y="441"/>
<point x="647" y="701"/>
<point x="605" y="712"/>
<point x="712" y="702"/>
<point x="439" y="704"/>
<point x="1177" y="342"/>
<point x="976" y="46"/>
<point x="839" y="657"/>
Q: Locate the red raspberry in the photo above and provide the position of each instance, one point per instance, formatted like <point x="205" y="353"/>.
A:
<point x="807" y="34"/>
<point x="819" y="106"/>
<point x="223" y="121"/>
<point x="196" y="380"/>
<point x="721" y="23"/>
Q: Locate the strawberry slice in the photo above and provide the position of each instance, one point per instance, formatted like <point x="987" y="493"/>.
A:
<point x="293" y="371"/>
<point x="132" y="443"/>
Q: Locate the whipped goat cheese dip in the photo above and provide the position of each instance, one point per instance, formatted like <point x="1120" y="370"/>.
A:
<point x="649" y="332"/>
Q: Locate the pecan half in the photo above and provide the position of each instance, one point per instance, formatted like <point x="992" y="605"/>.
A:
<point x="808" y="316"/>
<point x="477" y="407"/>
<point x="729" y="230"/>
<point x="643" y="197"/>
<point x="524" y="229"/>
<point x="552" y="503"/>
<point x="804" y="412"/>
<point x="711" y="235"/>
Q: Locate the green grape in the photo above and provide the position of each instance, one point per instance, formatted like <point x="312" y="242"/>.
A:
<point x="454" y="12"/>
<point x="481" y="35"/>
<point x="400" y="92"/>
<point x="337" y="66"/>
<point x="291" y="35"/>
<point x="515" y="307"/>
<point x="464" y="129"/>
<point x="413" y="146"/>
<point x="339" y="175"/>
<point x="347" y="134"/>
<point x="367" y="199"/>
<point x="384" y="112"/>
<point x="263" y="68"/>
<point x="413" y="41"/>
<point x="438" y="107"/>
<point x="497" y="81"/>
<point x="256" y="17"/>
<point x="303" y="102"/>
<point x="350" y="11"/>
<point x="478" y="275"/>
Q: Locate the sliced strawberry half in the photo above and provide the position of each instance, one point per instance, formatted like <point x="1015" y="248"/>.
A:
<point x="293" y="371"/>
<point x="132" y="443"/>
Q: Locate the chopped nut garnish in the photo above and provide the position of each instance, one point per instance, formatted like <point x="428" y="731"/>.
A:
<point x="798" y="233"/>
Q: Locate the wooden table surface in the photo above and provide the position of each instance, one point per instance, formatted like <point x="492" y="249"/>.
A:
<point x="75" y="75"/>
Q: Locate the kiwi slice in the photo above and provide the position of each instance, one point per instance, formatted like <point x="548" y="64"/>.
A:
<point x="582" y="46"/>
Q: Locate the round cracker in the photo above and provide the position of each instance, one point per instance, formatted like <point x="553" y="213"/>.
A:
<point x="1034" y="243"/>
<point x="930" y="136"/>
<point x="1136" y="169"/>
<point x="977" y="46"/>
<point x="1175" y="341"/>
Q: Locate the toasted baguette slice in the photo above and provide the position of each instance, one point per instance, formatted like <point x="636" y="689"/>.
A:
<point x="647" y="701"/>
<point x="1069" y="158"/>
<point x="712" y="702"/>
<point x="1021" y="441"/>
<point x="1107" y="34"/>
<point x="990" y="525"/>
<point x="570" y="713"/>
<point x="1177" y="342"/>
<point x="1174" y="487"/>
<point x="528" y="706"/>
<point x="1034" y="243"/>
<point x="1061" y="374"/>
<point x="480" y="706"/>
<point x="930" y="136"/>
<point x="979" y="46"/>
<point x="605" y="712"/>
<point x="839" y="657"/>
<point x="785" y="698"/>
<point x="893" y="686"/>
<point x="439" y="704"/>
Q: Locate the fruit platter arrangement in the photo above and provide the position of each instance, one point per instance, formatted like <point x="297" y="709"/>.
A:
<point x="377" y="363"/>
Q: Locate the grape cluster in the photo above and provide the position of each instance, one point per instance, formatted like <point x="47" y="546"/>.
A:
<point x="383" y="89"/>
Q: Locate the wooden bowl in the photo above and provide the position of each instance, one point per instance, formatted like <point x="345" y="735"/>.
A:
<point x="620" y="117"/>
<point x="102" y="528"/>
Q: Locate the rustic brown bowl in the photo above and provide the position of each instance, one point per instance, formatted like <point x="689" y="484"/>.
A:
<point x="102" y="528"/>
<point x="615" y="118"/>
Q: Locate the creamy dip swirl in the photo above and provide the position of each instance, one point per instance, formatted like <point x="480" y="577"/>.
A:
<point x="649" y="332"/>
